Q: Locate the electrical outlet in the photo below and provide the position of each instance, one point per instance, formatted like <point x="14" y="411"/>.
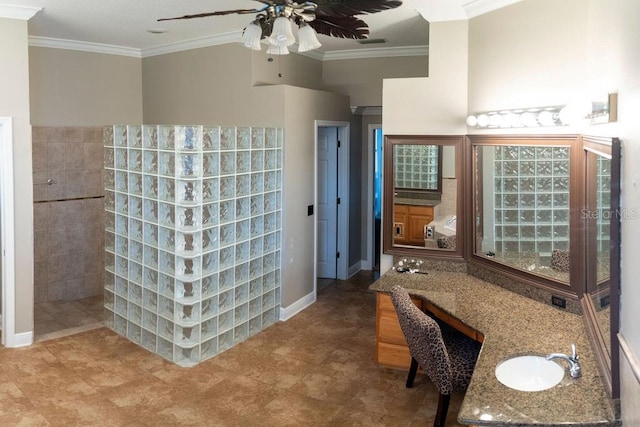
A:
<point x="559" y="302"/>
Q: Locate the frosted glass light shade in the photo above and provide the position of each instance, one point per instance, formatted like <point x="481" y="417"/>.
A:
<point x="277" y="50"/>
<point x="251" y="36"/>
<point x="308" y="39"/>
<point x="282" y="34"/>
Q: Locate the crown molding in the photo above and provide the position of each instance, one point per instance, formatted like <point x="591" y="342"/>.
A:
<point x="83" y="46"/>
<point x="235" y="37"/>
<point x="18" y="12"/>
<point x="208" y="41"/>
<point x="475" y="8"/>
<point x="380" y="52"/>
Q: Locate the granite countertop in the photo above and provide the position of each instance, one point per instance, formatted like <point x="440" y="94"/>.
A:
<point x="512" y="325"/>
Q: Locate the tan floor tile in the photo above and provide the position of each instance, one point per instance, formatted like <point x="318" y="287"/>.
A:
<point x="317" y="369"/>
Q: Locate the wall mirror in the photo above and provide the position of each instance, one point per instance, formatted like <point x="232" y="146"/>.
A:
<point x="423" y="202"/>
<point x="524" y="198"/>
<point x="601" y="220"/>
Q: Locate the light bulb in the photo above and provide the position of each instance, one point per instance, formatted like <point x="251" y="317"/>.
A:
<point x="472" y="121"/>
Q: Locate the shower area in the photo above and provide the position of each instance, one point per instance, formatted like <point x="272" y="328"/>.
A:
<point x="68" y="209"/>
<point x="192" y="228"/>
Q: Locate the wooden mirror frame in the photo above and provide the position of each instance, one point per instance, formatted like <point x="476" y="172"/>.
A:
<point x="608" y="361"/>
<point x="459" y="143"/>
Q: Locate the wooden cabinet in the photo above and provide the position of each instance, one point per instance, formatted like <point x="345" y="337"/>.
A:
<point x="409" y="222"/>
<point x="391" y="347"/>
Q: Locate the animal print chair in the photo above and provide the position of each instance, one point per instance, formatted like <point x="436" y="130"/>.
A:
<point x="447" y="356"/>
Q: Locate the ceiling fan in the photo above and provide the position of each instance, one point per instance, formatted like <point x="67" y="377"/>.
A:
<point x="334" y="18"/>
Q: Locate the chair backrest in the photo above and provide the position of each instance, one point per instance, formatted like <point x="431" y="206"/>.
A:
<point x="424" y="338"/>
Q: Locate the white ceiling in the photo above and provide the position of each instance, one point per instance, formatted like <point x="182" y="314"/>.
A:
<point x="123" y="24"/>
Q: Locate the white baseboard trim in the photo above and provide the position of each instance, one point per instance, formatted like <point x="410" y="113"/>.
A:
<point x="626" y="350"/>
<point x="287" y="313"/>
<point x="23" y="339"/>
<point x="354" y="269"/>
<point x="365" y="264"/>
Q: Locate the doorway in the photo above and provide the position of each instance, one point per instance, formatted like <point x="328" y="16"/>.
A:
<point x="7" y="233"/>
<point x="374" y="198"/>
<point x="332" y="200"/>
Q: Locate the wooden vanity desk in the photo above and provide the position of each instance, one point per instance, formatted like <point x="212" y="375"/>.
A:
<point x="391" y="347"/>
<point x="507" y="324"/>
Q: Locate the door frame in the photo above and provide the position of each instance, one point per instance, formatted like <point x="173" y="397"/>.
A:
<point x="342" y="244"/>
<point x="8" y="233"/>
<point x="370" y="159"/>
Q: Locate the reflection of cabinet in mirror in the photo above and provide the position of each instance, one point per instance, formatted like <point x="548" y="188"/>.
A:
<point x="410" y="224"/>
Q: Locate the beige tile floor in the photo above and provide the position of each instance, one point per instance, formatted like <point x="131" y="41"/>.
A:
<point x="317" y="369"/>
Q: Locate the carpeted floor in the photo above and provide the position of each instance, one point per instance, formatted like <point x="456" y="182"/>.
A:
<point x="317" y="369"/>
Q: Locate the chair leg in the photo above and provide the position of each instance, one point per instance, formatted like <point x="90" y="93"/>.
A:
<point x="443" y="408"/>
<point x="412" y="372"/>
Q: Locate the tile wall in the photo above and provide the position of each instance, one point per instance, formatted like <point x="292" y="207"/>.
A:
<point x="68" y="213"/>
<point x="192" y="236"/>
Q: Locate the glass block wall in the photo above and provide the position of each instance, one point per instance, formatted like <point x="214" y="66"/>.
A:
<point x="192" y="236"/>
<point x="415" y="166"/>
<point x="531" y="199"/>
<point x="603" y="202"/>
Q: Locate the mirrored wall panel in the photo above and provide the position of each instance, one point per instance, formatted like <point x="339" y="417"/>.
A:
<point x="423" y="201"/>
<point x="522" y="207"/>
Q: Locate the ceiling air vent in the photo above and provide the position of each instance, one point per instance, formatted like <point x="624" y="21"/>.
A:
<point x="372" y="41"/>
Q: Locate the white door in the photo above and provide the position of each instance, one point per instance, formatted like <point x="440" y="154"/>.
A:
<point x="327" y="201"/>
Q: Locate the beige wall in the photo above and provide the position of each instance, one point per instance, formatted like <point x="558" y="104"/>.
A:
<point x="71" y="88"/>
<point x="436" y="104"/>
<point x="211" y="85"/>
<point x="14" y="102"/>
<point x="585" y="47"/>
<point x="303" y="107"/>
<point x="293" y="70"/>
<point x="531" y="53"/>
<point x="361" y="79"/>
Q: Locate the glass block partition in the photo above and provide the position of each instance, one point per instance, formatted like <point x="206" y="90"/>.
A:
<point x="531" y="199"/>
<point x="192" y="236"/>
<point x="415" y="166"/>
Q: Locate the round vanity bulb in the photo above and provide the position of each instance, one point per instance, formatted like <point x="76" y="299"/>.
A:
<point x="483" y="120"/>
<point x="495" y="120"/>
<point x="472" y="121"/>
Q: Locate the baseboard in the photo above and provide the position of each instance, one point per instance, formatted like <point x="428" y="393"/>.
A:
<point x="23" y="339"/>
<point x="627" y="352"/>
<point x="287" y="313"/>
<point x="365" y="264"/>
<point x="355" y="268"/>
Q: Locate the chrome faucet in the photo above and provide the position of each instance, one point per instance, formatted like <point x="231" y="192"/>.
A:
<point x="573" y="360"/>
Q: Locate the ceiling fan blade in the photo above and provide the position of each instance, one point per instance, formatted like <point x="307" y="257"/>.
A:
<point x="345" y="27"/>
<point x="354" y="7"/>
<point x="223" y="12"/>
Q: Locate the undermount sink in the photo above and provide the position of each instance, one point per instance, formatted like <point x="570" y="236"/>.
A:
<point x="529" y="373"/>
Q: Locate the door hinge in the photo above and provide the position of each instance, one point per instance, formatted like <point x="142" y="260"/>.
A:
<point x="337" y="254"/>
<point x="338" y="201"/>
<point x="339" y="144"/>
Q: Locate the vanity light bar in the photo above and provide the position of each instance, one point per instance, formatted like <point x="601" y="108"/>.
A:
<point x="603" y="110"/>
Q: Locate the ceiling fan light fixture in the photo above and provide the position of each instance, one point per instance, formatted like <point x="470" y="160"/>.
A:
<point x="308" y="39"/>
<point x="277" y="50"/>
<point x="251" y="36"/>
<point x="282" y="33"/>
